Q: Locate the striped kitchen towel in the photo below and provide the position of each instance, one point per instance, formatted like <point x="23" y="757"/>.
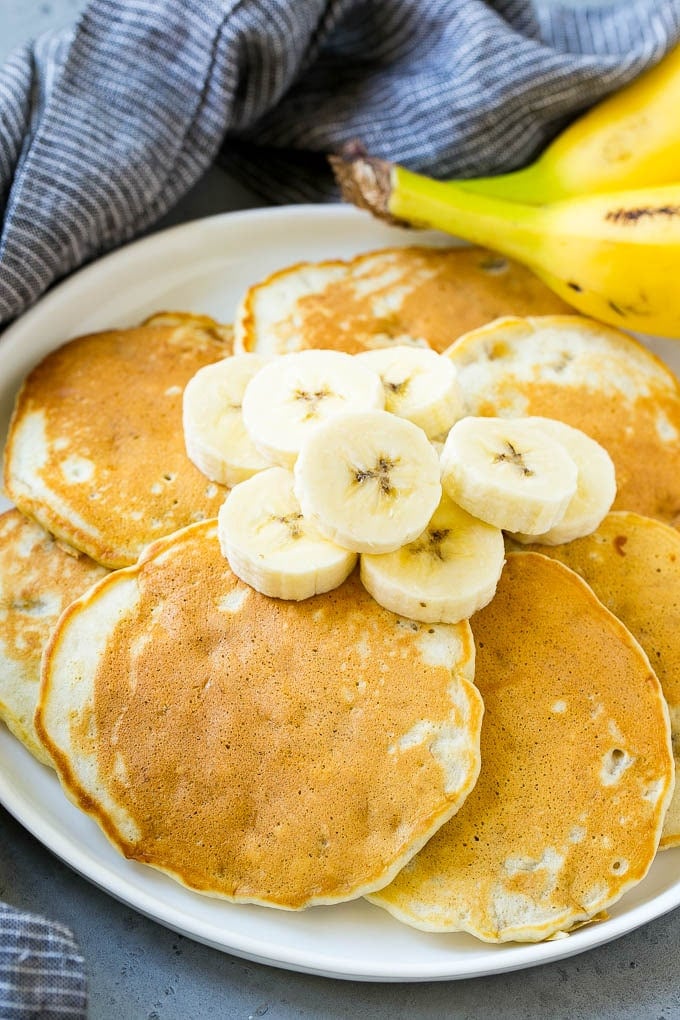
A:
<point x="103" y="127"/>
<point x="41" y="971"/>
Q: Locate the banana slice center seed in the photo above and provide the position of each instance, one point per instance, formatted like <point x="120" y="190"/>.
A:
<point x="512" y="456"/>
<point x="291" y="522"/>
<point x="397" y="387"/>
<point x="431" y="544"/>
<point x="380" y="473"/>
<point x="312" y="398"/>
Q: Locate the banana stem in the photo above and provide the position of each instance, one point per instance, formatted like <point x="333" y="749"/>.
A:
<point x="509" y="227"/>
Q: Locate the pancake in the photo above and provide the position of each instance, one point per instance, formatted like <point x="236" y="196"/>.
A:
<point x="590" y="376"/>
<point x="38" y="579"/>
<point x="632" y="563"/>
<point x="282" y="753"/>
<point x="95" y="451"/>
<point x="196" y="322"/>
<point x="426" y="296"/>
<point x="577" y="770"/>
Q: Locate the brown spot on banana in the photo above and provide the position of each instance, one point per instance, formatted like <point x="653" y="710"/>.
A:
<point x="642" y="212"/>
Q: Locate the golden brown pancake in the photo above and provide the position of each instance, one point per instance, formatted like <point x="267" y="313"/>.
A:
<point x="96" y="452"/>
<point x="632" y="563"/>
<point x="594" y="378"/>
<point x="283" y="753"/>
<point x="427" y="296"/>
<point x="38" y="579"/>
<point x="577" y="769"/>
<point x="195" y="322"/>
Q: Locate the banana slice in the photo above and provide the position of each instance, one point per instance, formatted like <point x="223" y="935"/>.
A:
<point x="418" y="385"/>
<point x="271" y="546"/>
<point x="214" y="434"/>
<point x="595" y="485"/>
<point x="443" y="576"/>
<point x="508" y="472"/>
<point x="295" y="392"/>
<point x="369" y="480"/>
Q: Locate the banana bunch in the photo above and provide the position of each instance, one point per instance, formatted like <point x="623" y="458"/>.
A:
<point x="597" y="216"/>
<point x="349" y="469"/>
<point x="628" y="140"/>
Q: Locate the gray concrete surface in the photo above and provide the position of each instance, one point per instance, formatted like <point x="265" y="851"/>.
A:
<point x="139" y="970"/>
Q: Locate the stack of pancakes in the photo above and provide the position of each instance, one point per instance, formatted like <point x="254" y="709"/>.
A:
<point x="510" y="776"/>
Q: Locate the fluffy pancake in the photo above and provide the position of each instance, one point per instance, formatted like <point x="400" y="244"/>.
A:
<point x="577" y="769"/>
<point x="283" y="753"/>
<point x="96" y="451"/>
<point x="590" y="376"/>
<point x="632" y="563"/>
<point x="395" y="296"/>
<point x="196" y="322"/>
<point x="38" y="579"/>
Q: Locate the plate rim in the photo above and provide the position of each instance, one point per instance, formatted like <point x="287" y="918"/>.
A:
<point x="513" y="956"/>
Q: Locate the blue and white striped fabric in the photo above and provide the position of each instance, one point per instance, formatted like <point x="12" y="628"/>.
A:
<point x="104" y="127"/>
<point x="41" y="969"/>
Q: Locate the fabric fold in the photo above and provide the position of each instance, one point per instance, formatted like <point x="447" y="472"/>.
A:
<point x="105" y="126"/>
<point x="42" y="971"/>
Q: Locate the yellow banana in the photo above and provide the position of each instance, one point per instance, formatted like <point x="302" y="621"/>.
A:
<point x="615" y="257"/>
<point x="629" y="140"/>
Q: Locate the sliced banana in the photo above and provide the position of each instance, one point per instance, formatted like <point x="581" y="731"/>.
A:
<point x="595" y="485"/>
<point x="271" y="546"/>
<point x="296" y="392"/>
<point x="419" y="385"/>
<point x="445" y="575"/>
<point x="369" y="480"/>
<point x="214" y="434"/>
<point x="508" y="472"/>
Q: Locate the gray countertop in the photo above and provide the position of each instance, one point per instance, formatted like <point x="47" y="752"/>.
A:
<point x="138" y="969"/>
<point x="141" y="971"/>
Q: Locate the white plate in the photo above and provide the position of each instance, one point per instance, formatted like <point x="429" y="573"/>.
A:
<point x="205" y="266"/>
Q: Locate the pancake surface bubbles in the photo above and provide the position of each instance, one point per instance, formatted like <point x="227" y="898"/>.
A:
<point x="577" y="769"/>
<point x="632" y="563"/>
<point x="38" y="579"/>
<point x="594" y="378"/>
<point x="264" y="751"/>
<point x="96" y="450"/>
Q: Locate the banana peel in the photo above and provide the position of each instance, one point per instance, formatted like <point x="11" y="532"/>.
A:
<point x="612" y="256"/>
<point x="629" y="140"/>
